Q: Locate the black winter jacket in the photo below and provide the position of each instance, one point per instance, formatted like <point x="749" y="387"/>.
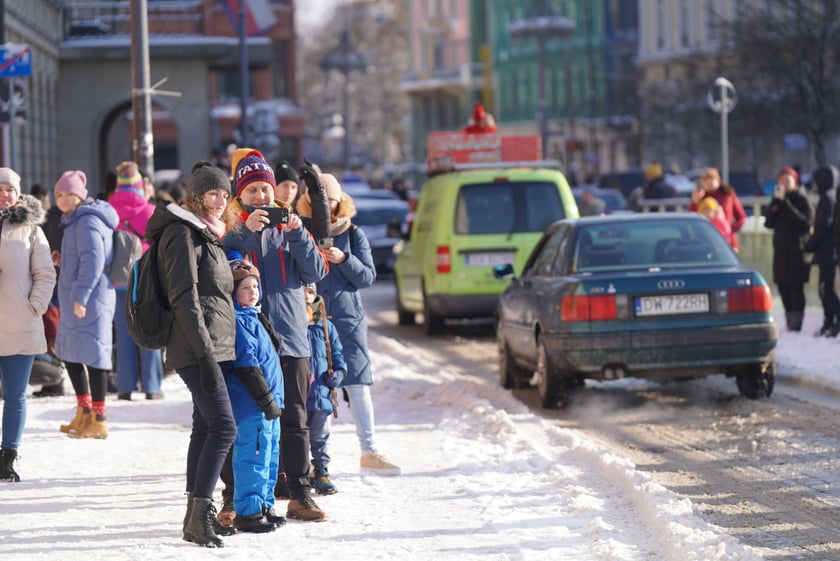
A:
<point x="790" y="219"/>
<point x="196" y="277"/>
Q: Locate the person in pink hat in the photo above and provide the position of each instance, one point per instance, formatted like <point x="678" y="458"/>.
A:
<point x="86" y="301"/>
<point x="133" y="363"/>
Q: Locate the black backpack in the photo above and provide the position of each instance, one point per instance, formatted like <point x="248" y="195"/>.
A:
<point x="147" y="310"/>
<point x="127" y="250"/>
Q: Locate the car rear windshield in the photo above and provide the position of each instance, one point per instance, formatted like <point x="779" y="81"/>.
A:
<point x="377" y="216"/>
<point x="503" y="208"/>
<point x="651" y="245"/>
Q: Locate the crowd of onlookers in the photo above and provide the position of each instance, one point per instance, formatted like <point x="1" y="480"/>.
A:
<point x="804" y="235"/>
<point x="266" y="324"/>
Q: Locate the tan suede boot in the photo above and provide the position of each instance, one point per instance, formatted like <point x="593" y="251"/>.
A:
<point x="76" y="423"/>
<point x="91" y="428"/>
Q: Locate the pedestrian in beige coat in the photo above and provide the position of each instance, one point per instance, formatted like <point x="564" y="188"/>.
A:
<point x="27" y="278"/>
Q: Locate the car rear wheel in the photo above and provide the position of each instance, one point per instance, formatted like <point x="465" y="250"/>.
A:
<point x="433" y="323"/>
<point x="756" y="380"/>
<point x="404" y="317"/>
<point x="548" y="378"/>
<point x="511" y="376"/>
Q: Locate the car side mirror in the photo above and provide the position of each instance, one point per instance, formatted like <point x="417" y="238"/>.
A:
<point x="394" y="228"/>
<point x="503" y="272"/>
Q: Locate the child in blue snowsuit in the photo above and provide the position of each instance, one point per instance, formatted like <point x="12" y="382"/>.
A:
<point x="319" y="403"/>
<point x="256" y="393"/>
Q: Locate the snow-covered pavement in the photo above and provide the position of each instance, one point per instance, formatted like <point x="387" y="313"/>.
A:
<point x="483" y="478"/>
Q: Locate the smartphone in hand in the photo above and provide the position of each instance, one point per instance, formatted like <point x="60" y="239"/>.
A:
<point x="276" y="214"/>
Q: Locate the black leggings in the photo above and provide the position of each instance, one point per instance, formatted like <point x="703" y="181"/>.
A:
<point x="79" y="374"/>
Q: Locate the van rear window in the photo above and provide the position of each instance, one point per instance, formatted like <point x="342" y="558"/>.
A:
<point x="503" y="208"/>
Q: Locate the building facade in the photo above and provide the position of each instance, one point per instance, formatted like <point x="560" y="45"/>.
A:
<point x="79" y="97"/>
<point x="562" y="68"/>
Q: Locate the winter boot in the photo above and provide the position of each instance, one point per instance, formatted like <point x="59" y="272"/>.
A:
<point x="93" y="428"/>
<point x="7" y="470"/>
<point x="305" y="509"/>
<point x="226" y="515"/>
<point x="188" y="513"/>
<point x="82" y="415"/>
<point x="256" y="524"/>
<point x="50" y="391"/>
<point x="272" y="516"/>
<point x="218" y="527"/>
<point x="199" y="527"/>
<point x="376" y="463"/>
<point x="322" y="484"/>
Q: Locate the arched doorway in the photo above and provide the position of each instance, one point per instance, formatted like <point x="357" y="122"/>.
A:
<point x="115" y="140"/>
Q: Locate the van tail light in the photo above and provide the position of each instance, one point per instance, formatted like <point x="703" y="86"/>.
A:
<point x="749" y="299"/>
<point x="443" y="259"/>
<point x="584" y="307"/>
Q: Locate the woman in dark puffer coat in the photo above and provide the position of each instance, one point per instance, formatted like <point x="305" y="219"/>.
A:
<point x="197" y="280"/>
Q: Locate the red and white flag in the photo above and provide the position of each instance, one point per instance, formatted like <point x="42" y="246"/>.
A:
<point x="259" y="15"/>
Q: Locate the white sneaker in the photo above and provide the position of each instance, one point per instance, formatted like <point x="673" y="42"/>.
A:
<point x="376" y="463"/>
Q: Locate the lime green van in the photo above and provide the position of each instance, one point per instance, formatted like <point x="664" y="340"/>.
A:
<point x="467" y="222"/>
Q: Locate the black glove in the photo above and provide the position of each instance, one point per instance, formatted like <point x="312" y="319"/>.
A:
<point x="269" y="407"/>
<point x="309" y="175"/>
<point x="255" y="384"/>
<point x="319" y="224"/>
<point x="212" y="379"/>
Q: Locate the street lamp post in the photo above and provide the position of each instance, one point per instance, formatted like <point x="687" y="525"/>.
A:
<point x="541" y="23"/>
<point x="344" y="58"/>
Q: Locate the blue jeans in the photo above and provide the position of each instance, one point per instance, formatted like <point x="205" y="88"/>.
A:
<point x="129" y="354"/>
<point x="361" y="409"/>
<point x="256" y="453"/>
<point x="319" y="433"/>
<point x="14" y="376"/>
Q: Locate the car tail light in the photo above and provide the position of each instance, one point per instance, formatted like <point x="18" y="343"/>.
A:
<point x="443" y="259"/>
<point x="750" y="299"/>
<point x="588" y="308"/>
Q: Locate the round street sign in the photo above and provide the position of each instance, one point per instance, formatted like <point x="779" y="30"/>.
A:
<point x="722" y="96"/>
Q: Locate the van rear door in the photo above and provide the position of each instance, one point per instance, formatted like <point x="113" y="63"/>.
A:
<point x="498" y="222"/>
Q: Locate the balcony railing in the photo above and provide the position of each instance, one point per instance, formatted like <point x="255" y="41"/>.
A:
<point x="104" y="19"/>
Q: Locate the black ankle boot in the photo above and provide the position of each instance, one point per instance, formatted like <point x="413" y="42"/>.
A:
<point x="7" y="470"/>
<point x="256" y="523"/>
<point x="272" y="516"/>
<point x="199" y="529"/>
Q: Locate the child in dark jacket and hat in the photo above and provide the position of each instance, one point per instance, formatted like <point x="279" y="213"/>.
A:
<point x="328" y="369"/>
<point x="256" y="396"/>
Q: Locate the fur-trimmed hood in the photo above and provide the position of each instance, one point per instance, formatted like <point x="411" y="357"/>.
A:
<point x="28" y="210"/>
<point x="341" y="220"/>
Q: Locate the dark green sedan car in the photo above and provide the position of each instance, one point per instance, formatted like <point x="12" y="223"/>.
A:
<point x="659" y="296"/>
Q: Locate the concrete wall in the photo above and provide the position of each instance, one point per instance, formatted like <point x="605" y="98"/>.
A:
<point x="89" y="90"/>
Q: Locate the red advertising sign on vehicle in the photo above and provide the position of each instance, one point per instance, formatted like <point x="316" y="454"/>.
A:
<point x="448" y="149"/>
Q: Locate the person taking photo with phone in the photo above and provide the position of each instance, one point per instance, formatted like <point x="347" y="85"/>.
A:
<point x="287" y="258"/>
